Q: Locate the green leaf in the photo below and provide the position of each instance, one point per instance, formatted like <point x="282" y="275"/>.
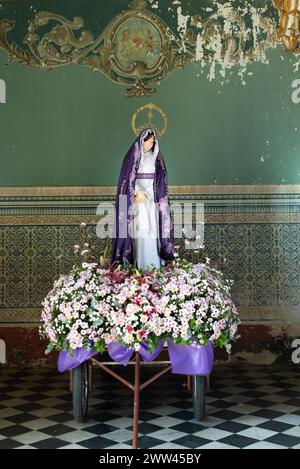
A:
<point x="49" y="348"/>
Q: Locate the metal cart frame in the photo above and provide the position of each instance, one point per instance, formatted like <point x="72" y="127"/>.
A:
<point x="81" y="381"/>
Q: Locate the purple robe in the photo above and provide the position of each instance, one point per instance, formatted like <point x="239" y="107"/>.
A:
<point x="123" y="248"/>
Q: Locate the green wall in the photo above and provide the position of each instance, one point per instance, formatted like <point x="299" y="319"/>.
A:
<point x="72" y="126"/>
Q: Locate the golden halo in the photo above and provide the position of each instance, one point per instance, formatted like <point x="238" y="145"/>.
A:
<point x="152" y="107"/>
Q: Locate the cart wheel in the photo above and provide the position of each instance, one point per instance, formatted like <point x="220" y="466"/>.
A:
<point x="199" y="384"/>
<point x="80" y="392"/>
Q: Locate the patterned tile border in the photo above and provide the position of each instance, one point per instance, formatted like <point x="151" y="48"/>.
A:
<point x="111" y="190"/>
<point x="222" y="204"/>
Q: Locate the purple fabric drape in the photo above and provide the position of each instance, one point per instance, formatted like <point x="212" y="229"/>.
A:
<point x="187" y="360"/>
<point x="122" y="354"/>
<point x="116" y="351"/>
<point x="67" y="362"/>
<point x="184" y="359"/>
<point x="119" y="353"/>
<point x="123" y="249"/>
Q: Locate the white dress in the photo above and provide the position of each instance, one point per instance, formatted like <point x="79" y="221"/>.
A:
<point x="146" y="218"/>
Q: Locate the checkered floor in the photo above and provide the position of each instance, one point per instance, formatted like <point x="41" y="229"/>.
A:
<point x="247" y="407"/>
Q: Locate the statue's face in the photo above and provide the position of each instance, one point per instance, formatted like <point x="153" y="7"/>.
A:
<point x="148" y="144"/>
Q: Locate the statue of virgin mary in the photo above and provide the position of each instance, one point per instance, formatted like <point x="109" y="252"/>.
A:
<point x="143" y="231"/>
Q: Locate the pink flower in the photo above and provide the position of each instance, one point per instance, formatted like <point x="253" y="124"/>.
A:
<point x="142" y="334"/>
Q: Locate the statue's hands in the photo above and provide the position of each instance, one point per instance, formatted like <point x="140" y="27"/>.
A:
<point x="141" y="196"/>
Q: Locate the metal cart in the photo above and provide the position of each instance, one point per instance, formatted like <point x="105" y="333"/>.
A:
<point x="81" y="378"/>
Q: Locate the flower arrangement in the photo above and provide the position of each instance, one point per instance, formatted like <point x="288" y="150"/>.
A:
<point x="75" y="311"/>
<point x="197" y="305"/>
<point x="187" y="302"/>
<point x="97" y="304"/>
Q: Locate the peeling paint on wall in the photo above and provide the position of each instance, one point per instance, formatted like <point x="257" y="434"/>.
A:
<point x="231" y="37"/>
<point x="226" y="35"/>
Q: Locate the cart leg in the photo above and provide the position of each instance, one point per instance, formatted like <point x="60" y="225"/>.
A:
<point x="208" y="381"/>
<point x="90" y="376"/>
<point x="199" y="383"/>
<point x="188" y="382"/>
<point x="136" y="400"/>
